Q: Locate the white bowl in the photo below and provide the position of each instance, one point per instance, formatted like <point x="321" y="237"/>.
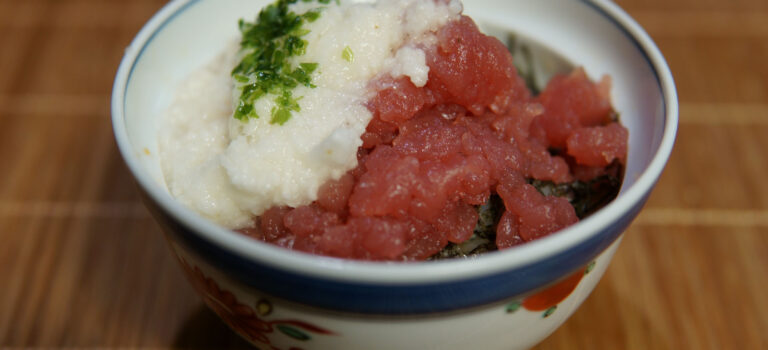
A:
<point x="282" y="299"/>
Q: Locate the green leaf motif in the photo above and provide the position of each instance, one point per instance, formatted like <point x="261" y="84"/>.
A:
<point x="511" y="308"/>
<point x="293" y="332"/>
<point x="549" y="312"/>
<point x="590" y="267"/>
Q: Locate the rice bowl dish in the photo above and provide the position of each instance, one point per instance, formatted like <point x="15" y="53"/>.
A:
<point x="392" y="130"/>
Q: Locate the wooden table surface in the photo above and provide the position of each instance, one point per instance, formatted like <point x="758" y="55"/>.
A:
<point x="82" y="264"/>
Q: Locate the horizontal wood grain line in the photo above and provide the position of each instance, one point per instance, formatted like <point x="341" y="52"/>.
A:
<point x="46" y="209"/>
<point x="703" y="217"/>
<point x="55" y="104"/>
<point x="687" y="23"/>
<point x="86" y="14"/>
<point x="724" y="113"/>
<point x="77" y="14"/>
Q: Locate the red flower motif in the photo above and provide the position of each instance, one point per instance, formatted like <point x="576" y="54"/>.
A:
<point x="241" y="317"/>
<point x="553" y="295"/>
<point x="546" y="300"/>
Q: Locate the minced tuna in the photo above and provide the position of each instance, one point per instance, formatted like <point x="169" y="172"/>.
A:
<point x="432" y="154"/>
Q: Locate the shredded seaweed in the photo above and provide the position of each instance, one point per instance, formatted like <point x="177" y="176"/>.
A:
<point x="585" y="197"/>
<point x="484" y="237"/>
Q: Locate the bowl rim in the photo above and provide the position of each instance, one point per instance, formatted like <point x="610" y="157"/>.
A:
<point x="398" y="273"/>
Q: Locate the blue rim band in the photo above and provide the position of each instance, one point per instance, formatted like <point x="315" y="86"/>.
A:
<point x="366" y="298"/>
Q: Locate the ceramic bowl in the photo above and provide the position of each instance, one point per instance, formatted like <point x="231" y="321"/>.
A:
<point x="280" y="299"/>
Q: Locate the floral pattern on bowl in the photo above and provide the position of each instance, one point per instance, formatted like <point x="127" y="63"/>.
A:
<point x="547" y="299"/>
<point x="274" y="324"/>
<point x="247" y="321"/>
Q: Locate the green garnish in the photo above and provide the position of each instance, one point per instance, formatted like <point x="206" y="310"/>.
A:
<point x="267" y="44"/>
<point x="348" y="55"/>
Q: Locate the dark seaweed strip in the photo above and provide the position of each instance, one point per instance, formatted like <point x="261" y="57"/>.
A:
<point x="585" y="197"/>
<point x="483" y="239"/>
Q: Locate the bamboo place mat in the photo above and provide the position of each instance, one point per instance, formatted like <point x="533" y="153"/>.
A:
<point x="82" y="264"/>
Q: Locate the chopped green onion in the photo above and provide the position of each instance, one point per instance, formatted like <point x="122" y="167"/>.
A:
<point x="267" y="44"/>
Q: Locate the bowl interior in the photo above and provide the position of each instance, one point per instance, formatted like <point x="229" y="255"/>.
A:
<point x="594" y="34"/>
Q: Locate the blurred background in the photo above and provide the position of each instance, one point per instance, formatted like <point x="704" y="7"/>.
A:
<point x="82" y="264"/>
